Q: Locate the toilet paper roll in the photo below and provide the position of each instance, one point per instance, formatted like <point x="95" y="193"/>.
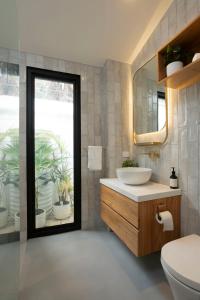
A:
<point x="166" y="219"/>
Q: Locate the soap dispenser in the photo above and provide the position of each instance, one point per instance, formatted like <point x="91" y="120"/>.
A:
<point x="173" y="179"/>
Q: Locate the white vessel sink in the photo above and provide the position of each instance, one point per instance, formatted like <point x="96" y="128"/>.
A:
<point x="134" y="176"/>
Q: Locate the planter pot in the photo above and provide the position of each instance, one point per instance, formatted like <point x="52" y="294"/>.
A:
<point x="40" y="218"/>
<point x="62" y="211"/>
<point x="47" y="196"/>
<point x="3" y="216"/>
<point x="13" y="198"/>
<point x="174" y="67"/>
<point x="196" y="57"/>
<point x="17" y="221"/>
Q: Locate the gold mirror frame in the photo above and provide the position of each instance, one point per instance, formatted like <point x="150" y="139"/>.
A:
<point x="151" y="138"/>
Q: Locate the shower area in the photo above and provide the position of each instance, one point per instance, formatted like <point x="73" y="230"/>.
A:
<point x="9" y="152"/>
<point x="40" y="157"/>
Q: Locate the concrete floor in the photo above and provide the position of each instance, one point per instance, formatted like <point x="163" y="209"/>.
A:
<point x="89" y="265"/>
<point x="9" y="271"/>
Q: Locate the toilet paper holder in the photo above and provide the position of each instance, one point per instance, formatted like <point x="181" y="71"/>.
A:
<point x="160" y="207"/>
<point x="158" y="214"/>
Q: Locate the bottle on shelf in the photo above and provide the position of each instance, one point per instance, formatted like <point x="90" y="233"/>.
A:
<point x="173" y="179"/>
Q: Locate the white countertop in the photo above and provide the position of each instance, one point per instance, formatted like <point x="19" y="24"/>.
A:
<point x="149" y="191"/>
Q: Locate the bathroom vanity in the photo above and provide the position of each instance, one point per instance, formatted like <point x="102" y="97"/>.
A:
<point x="129" y="211"/>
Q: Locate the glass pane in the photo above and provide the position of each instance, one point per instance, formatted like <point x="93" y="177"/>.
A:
<point x="161" y="113"/>
<point x="54" y="190"/>
<point x="146" y="89"/>
<point x="9" y="152"/>
<point x="9" y="148"/>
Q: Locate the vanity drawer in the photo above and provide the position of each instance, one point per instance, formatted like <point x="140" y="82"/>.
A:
<point x="125" y="207"/>
<point x="123" y="229"/>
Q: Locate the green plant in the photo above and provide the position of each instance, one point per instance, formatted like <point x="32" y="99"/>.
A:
<point x="53" y="159"/>
<point x="51" y="162"/>
<point x="62" y="173"/>
<point x="129" y="163"/>
<point x="173" y="53"/>
<point x="43" y="164"/>
<point x="9" y="160"/>
<point x="64" y="186"/>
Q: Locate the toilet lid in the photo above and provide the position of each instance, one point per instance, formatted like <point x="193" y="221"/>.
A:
<point x="182" y="260"/>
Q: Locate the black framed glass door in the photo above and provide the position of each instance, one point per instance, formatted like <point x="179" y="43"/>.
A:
<point x="53" y="152"/>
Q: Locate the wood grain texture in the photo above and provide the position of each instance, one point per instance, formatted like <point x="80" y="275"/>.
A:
<point x="123" y="229"/>
<point x="189" y="40"/>
<point x="152" y="237"/>
<point x="185" y="77"/>
<point x="121" y="204"/>
<point x="121" y="214"/>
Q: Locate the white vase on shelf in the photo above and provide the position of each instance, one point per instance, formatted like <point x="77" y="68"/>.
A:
<point x="196" y="57"/>
<point x="173" y="67"/>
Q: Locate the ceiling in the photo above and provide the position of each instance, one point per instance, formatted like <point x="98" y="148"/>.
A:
<point x="86" y="31"/>
<point x="8" y="24"/>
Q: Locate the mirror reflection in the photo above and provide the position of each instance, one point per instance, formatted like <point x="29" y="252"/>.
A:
<point x="149" y="100"/>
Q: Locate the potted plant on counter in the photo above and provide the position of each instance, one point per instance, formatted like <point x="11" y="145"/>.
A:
<point x="129" y="163"/>
<point x="173" y="59"/>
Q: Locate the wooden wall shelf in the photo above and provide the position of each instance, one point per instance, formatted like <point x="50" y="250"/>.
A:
<point x="189" y="40"/>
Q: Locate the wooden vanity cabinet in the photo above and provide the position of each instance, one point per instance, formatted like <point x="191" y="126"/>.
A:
<point x="134" y="222"/>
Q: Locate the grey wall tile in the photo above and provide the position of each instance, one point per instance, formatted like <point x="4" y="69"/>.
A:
<point x="91" y="131"/>
<point x="182" y="148"/>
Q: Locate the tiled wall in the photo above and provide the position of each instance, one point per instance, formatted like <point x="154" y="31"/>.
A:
<point x="90" y="129"/>
<point x="182" y="148"/>
<point x="117" y="113"/>
<point x="104" y="121"/>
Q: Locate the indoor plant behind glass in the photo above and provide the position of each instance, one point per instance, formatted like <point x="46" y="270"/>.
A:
<point x="44" y="163"/>
<point x="3" y="208"/>
<point x="62" y="208"/>
<point x="40" y="214"/>
<point x="9" y="171"/>
<point x="43" y="168"/>
<point x="62" y="173"/>
<point x="54" y="168"/>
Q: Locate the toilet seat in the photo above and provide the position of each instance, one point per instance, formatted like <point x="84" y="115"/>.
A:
<point x="181" y="258"/>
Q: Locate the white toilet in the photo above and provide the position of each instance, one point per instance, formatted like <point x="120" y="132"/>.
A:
<point x="181" y="263"/>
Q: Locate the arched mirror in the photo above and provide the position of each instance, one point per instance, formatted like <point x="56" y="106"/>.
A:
<point x="150" y="106"/>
